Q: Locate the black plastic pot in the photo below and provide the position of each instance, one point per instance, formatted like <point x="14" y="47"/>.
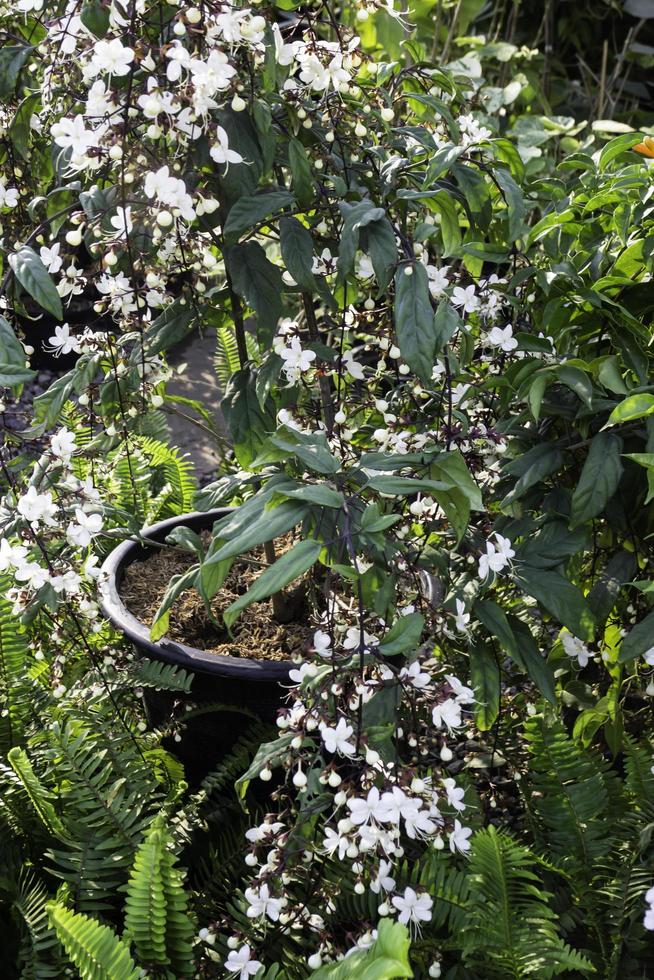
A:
<point x="239" y="688"/>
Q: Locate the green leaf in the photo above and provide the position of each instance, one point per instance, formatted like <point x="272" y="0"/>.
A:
<point x="297" y="252"/>
<point x="532" y="467"/>
<point x="171" y="326"/>
<point x="250" y="210"/>
<point x="516" y="640"/>
<point x="178" y="585"/>
<point x="599" y="478"/>
<point x="94" y="949"/>
<point x="485" y="679"/>
<point x="387" y="958"/>
<point x="414" y="320"/>
<point x="560" y="598"/>
<point x="633" y="407"/>
<point x="446" y="323"/>
<point x="33" y="277"/>
<point x="514" y="200"/>
<point x="272" y="523"/>
<point x="379" y="242"/>
<point x="13" y="371"/>
<point x="12" y="59"/>
<point x="286" y="569"/>
<point x="617" y="146"/>
<point x="95" y="17"/>
<point x="248" y="423"/>
<point x="405" y="634"/>
<point x="317" y="493"/>
<point x="268" y="756"/>
<point x="356" y="216"/>
<point x="302" y="177"/>
<point x="258" y="282"/>
<point x="314" y="453"/>
<point x="638" y="640"/>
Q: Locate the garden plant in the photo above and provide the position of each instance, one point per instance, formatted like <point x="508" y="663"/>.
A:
<point x="424" y="250"/>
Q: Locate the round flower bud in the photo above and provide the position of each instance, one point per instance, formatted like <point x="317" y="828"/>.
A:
<point x="238" y="104"/>
<point x="340" y="417"/>
<point x="193" y="15"/>
<point x="360" y="130"/>
<point x="383" y="909"/>
<point x="435" y="970"/>
<point x="299" y="779"/>
<point x="251" y="860"/>
<point x="334" y="780"/>
<point x="116" y="152"/>
<point x="314" y="961"/>
<point x="387" y="114"/>
<point x="446" y="754"/>
<point x="232" y="943"/>
<point x="165" y="219"/>
<point x="265" y="775"/>
<point x="179" y="29"/>
<point x="360" y="888"/>
<point x="74" y="237"/>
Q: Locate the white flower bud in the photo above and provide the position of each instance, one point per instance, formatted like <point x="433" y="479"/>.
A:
<point x="165" y="219"/>
<point x="387" y="114"/>
<point x="265" y="775"/>
<point x="314" y="961"/>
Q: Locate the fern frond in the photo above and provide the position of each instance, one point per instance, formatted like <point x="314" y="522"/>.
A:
<point x="14" y="708"/>
<point x="156" y="918"/>
<point x="94" y="949"/>
<point x="510" y="931"/>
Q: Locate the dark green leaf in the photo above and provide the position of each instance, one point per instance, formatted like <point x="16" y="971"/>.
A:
<point x="248" y="423"/>
<point x="446" y="323"/>
<point x="638" y="640"/>
<point x="33" y="277"/>
<point x="302" y="177"/>
<point x="286" y="569"/>
<point x="12" y="59"/>
<point x="560" y="598"/>
<point x="414" y="320"/>
<point x="405" y="634"/>
<point x="297" y="252"/>
<point x="258" y="282"/>
<point x="599" y="478"/>
<point x="272" y="523"/>
<point x="485" y="679"/>
<point x="250" y="210"/>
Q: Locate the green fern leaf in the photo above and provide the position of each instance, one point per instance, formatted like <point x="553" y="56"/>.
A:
<point x="95" y="950"/>
<point x="156" y="918"/>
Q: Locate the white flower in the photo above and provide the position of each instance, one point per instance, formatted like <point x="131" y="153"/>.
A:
<point x="413" y="676"/>
<point x="284" y="53"/>
<point x="383" y="880"/>
<point x="462" y="617"/>
<point x="11" y="555"/>
<point x="459" y="838"/>
<point x="649" y="657"/>
<point x="575" y="648"/>
<point x="438" y="281"/>
<point x="8" y="195"/>
<point x="62" y="444"/>
<point x="465" y="297"/>
<point x="353" y="368"/>
<point x="306" y="670"/>
<point x="51" y="258"/>
<point x="122" y="221"/>
<point x="110" y="57"/>
<point x="72" y="134"/>
<point x="462" y="694"/>
<point x="416" y="820"/>
<point x="87" y="527"/>
<point x="261" y="903"/>
<point x="296" y="360"/>
<point x="497" y="556"/>
<point x="353" y="639"/>
<point x="448" y="714"/>
<point x="178" y="58"/>
<point x="35" y="506"/>
<point x="454" y="794"/>
<point x="503" y="338"/>
<point x="213" y="75"/>
<point x="334" y="843"/>
<point x="321" y="642"/>
<point x="373" y="807"/>
<point x="32" y="574"/>
<point x="413" y="907"/>
<point x="239" y="961"/>
<point x="220" y="151"/>
<point x="336" y="739"/>
<point x="63" y="342"/>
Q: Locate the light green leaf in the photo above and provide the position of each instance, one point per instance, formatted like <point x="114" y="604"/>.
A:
<point x="272" y="523"/>
<point x="405" y="634"/>
<point x="633" y="407"/>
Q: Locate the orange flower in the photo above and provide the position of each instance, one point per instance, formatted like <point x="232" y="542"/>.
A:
<point x="646" y="147"/>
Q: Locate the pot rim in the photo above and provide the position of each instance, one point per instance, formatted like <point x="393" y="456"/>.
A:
<point x="168" y="651"/>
